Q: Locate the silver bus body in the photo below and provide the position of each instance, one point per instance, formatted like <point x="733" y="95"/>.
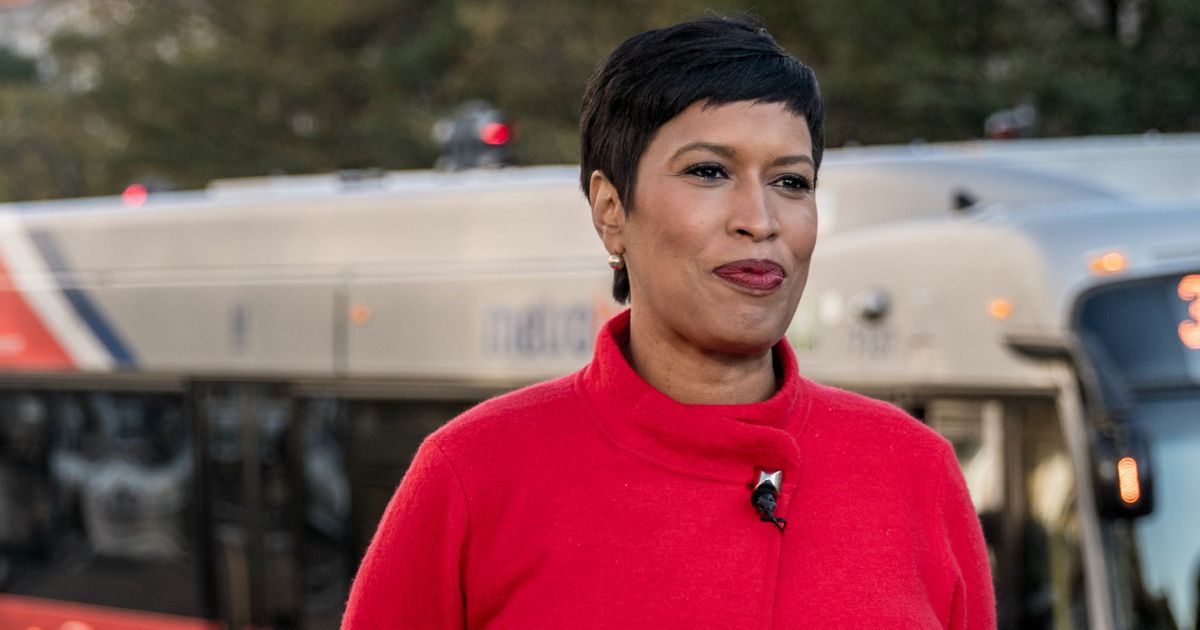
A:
<point x="945" y="282"/>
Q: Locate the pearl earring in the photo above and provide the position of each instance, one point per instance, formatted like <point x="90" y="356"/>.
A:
<point x="616" y="261"/>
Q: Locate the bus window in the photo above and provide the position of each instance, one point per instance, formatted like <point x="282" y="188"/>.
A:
<point x="1022" y="483"/>
<point x="384" y="437"/>
<point x="297" y="486"/>
<point x="1050" y="580"/>
<point x="1156" y="558"/>
<point x="98" y="500"/>
<point x="1138" y="337"/>
<point x="327" y="557"/>
<point x="252" y="492"/>
<point x="975" y="429"/>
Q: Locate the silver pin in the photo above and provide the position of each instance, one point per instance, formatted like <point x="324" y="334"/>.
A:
<point x="772" y="478"/>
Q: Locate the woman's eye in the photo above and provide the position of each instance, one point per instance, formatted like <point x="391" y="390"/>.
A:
<point x="707" y="171"/>
<point x="796" y="183"/>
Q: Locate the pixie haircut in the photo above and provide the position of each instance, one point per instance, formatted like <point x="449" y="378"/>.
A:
<point x="652" y="77"/>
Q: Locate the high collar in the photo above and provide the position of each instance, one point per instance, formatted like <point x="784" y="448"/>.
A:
<point x="718" y="442"/>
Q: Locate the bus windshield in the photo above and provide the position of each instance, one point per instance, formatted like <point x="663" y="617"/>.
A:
<point x="1143" y="340"/>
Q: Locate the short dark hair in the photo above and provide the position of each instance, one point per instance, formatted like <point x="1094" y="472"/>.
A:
<point x="652" y="77"/>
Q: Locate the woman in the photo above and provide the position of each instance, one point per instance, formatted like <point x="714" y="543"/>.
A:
<point x="688" y="477"/>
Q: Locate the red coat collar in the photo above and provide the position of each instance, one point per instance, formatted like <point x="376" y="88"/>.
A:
<point x="718" y="442"/>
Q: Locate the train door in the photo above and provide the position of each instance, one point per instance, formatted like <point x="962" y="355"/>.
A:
<point x="1014" y="458"/>
<point x="100" y="512"/>
<point x="248" y="473"/>
<point x="295" y="483"/>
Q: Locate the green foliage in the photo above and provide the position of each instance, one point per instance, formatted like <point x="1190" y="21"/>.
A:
<point x="15" y="68"/>
<point x="185" y="91"/>
<point x="198" y="90"/>
<point x="39" y="158"/>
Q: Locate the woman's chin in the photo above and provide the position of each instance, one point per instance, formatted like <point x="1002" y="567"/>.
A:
<point x="754" y="332"/>
<point x="745" y="341"/>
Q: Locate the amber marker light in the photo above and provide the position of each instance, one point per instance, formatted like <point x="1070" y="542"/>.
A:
<point x="1189" y="287"/>
<point x="1127" y="480"/>
<point x="1189" y="329"/>
<point x="1189" y="334"/>
<point x="1108" y="263"/>
<point x="360" y="314"/>
<point x="1000" y="308"/>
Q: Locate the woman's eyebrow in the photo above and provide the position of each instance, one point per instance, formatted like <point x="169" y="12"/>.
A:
<point x="726" y="151"/>
<point x="719" y="149"/>
<point x="793" y="159"/>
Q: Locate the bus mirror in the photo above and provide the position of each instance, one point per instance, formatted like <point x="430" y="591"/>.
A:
<point x="1122" y="477"/>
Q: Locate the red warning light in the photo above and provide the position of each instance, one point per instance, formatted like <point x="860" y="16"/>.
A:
<point x="495" y="134"/>
<point x="134" y="196"/>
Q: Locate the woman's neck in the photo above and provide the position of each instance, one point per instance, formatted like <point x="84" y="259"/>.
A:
<point x="693" y="376"/>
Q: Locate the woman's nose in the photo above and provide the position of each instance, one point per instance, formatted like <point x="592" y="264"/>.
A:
<point x="750" y="214"/>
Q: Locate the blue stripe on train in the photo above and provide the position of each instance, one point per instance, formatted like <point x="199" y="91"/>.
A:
<point x="83" y="305"/>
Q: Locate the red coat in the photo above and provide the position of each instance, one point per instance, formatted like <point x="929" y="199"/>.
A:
<point x="594" y="501"/>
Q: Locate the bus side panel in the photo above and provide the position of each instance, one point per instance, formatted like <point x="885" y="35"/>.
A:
<point x="513" y="328"/>
<point x="259" y="326"/>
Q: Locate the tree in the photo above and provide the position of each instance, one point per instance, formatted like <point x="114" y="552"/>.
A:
<point x="15" y="68"/>
<point x="185" y="91"/>
<point x="196" y="90"/>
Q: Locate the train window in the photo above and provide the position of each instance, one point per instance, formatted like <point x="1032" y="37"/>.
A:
<point x="250" y="477"/>
<point x="386" y="435"/>
<point x="1022" y="483"/>
<point x="296" y="487"/>
<point x="327" y="557"/>
<point x="98" y="500"/>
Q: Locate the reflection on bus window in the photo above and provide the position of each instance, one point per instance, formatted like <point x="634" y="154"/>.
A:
<point x="129" y="472"/>
<point x="384" y="436"/>
<point x="1162" y="561"/>
<point x="1022" y="483"/>
<point x="1152" y="381"/>
<point x="253" y="501"/>
<point x="974" y="429"/>
<point x="97" y="499"/>
<point x="1052" y="594"/>
<point x="328" y="567"/>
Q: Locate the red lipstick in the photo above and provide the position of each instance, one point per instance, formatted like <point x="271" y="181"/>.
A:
<point x="756" y="275"/>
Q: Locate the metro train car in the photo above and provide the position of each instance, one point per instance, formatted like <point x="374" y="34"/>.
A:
<point x="207" y="398"/>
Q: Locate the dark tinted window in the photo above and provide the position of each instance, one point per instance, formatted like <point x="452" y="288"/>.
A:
<point x="98" y="500"/>
<point x="1137" y="332"/>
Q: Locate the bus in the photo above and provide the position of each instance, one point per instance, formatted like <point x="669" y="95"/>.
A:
<point x="207" y="398"/>
<point x="1056" y="344"/>
<point x="1152" y="167"/>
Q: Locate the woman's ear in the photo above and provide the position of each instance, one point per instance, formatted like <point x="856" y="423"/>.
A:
<point x="608" y="215"/>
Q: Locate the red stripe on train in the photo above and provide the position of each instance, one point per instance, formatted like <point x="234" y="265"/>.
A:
<point x="24" y="341"/>
<point x="28" y="613"/>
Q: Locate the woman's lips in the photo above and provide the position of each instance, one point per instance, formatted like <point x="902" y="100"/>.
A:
<point x="757" y="275"/>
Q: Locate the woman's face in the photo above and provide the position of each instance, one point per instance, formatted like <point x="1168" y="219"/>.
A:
<point x="722" y="227"/>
